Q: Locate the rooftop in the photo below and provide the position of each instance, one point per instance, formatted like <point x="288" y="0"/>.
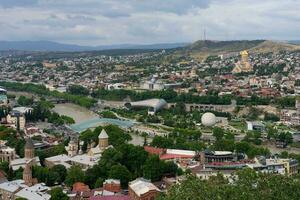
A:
<point x="141" y="186"/>
<point x="103" y="135"/>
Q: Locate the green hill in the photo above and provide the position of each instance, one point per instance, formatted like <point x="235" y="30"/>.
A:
<point x="199" y="50"/>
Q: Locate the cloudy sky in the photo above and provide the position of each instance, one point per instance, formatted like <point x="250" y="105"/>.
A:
<point x="102" y="22"/>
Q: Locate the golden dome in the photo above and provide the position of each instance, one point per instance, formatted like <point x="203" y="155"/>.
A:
<point x="244" y="53"/>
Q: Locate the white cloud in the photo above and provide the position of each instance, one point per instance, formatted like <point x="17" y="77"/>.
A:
<point x="95" y="22"/>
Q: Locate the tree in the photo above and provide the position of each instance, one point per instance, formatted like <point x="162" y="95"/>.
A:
<point x="75" y="174"/>
<point x="43" y="174"/>
<point x="78" y="90"/>
<point x="242" y="147"/>
<point x="24" y="101"/>
<point x="120" y="172"/>
<point x="153" y="168"/>
<point x="248" y="185"/>
<point x="162" y="142"/>
<point x="99" y="183"/>
<point x="61" y="171"/>
<point x="133" y="157"/>
<point x="170" y="168"/>
<point x="218" y="133"/>
<point x="92" y="175"/>
<point x="58" y="194"/>
<point x="285" y="137"/>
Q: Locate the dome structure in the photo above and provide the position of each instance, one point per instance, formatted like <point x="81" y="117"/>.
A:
<point x="154" y="105"/>
<point x="208" y="119"/>
<point x="103" y="135"/>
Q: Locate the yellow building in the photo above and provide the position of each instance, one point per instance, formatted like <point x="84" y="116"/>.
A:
<point x="16" y="119"/>
<point x="243" y="65"/>
<point x="290" y="166"/>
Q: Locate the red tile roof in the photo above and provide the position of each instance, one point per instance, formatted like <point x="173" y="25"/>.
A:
<point x="80" y="187"/>
<point x="154" y="150"/>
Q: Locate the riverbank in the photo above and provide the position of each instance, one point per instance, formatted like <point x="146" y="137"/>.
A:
<point x="78" y="113"/>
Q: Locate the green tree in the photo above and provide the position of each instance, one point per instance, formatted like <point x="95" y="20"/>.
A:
<point x="75" y="174"/>
<point x="61" y="171"/>
<point x="133" y="157"/>
<point x="218" y="133"/>
<point x="153" y="168"/>
<point x="58" y="194"/>
<point x="78" y="90"/>
<point x="24" y="101"/>
<point x="120" y="172"/>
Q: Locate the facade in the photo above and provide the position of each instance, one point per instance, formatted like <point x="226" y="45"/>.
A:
<point x="16" y="119"/>
<point x="25" y="188"/>
<point x="7" y="154"/>
<point x="255" y="126"/>
<point x="72" y="148"/>
<point x="216" y="156"/>
<point x="75" y="157"/>
<point x="290" y="166"/>
<point x="102" y="144"/>
<point x="243" y="65"/>
<point x="153" y="84"/>
<point x="112" y="185"/>
<point x="29" y="156"/>
<point x="142" y="189"/>
<point x="27" y="175"/>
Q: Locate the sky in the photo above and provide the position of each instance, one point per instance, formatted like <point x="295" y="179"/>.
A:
<point x="105" y="22"/>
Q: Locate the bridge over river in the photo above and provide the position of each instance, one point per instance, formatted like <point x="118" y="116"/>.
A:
<point x="95" y="122"/>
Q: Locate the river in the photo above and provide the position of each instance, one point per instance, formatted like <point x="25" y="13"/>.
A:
<point x="78" y="113"/>
<point x="81" y="114"/>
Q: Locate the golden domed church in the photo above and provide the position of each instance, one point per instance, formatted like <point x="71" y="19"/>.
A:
<point x="243" y="65"/>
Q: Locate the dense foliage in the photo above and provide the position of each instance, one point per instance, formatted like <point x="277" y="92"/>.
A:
<point x="43" y="91"/>
<point x="168" y="95"/>
<point x="248" y="185"/>
<point x="78" y="90"/>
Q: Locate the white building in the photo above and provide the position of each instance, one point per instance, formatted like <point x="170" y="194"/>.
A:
<point x="17" y="189"/>
<point x="6" y="153"/>
<point x="74" y="156"/>
<point x="153" y="84"/>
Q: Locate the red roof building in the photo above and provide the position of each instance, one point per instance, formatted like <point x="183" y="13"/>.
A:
<point x="154" y="150"/>
<point x="80" y="187"/>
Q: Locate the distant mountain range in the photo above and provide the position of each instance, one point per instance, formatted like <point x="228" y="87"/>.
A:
<point x="294" y="42"/>
<point x="55" y="46"/>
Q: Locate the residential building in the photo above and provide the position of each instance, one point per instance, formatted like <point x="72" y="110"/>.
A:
<point x="142" y="189"/>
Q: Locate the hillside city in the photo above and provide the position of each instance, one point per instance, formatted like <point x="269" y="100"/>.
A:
<point x="155" y="124"/>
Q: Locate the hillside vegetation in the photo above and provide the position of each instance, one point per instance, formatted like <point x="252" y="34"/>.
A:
<point x="201" y="49"/>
